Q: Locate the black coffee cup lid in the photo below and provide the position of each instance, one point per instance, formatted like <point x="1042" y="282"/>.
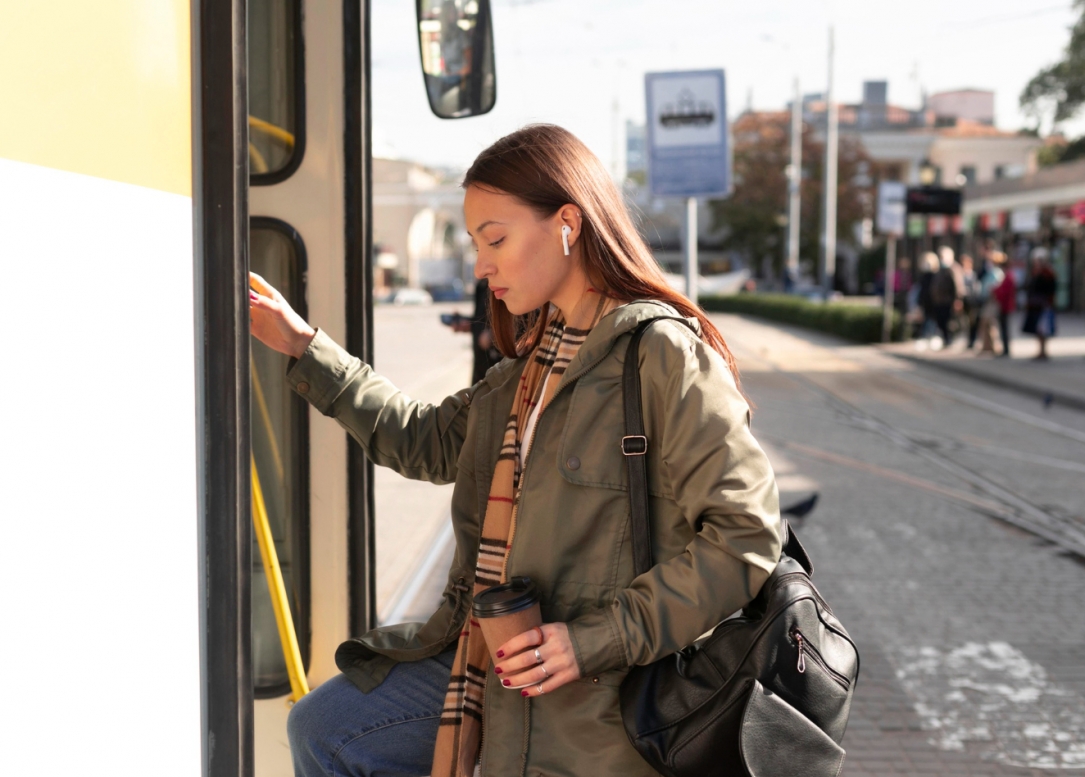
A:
<point x="517" y="594"/>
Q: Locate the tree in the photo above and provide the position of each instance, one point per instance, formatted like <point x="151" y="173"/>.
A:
<point x="754" y="217"/>
<point x="1059" y="90"/>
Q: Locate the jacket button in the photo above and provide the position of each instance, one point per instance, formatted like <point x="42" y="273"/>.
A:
<point x="573" y="463"/>
<point x="303" y="388"/>
<point x="595" y="680"/>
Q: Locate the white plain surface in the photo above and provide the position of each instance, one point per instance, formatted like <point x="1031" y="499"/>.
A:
<point x="98" y="583"/>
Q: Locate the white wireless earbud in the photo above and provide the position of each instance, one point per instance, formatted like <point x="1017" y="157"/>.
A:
<point x="565" y="230"/>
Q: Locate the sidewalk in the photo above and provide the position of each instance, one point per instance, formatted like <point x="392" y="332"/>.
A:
<point x="1061" y="379"/>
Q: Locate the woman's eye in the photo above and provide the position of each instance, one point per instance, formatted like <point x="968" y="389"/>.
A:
<point x="497" y="242"/>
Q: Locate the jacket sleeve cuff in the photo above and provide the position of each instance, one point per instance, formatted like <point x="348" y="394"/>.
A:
<point x="596" y="642"/>
<point x="321" y="374"/>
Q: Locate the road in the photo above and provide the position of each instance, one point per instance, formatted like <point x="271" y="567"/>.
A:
<point x="949" y="538"/>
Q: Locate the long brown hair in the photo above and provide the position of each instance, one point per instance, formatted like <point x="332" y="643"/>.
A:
<point x="546" y="167"/>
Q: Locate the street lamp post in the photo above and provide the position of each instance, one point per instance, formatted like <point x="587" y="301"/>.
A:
<point x="830" y="177"/>
<point x="794" y="186"/>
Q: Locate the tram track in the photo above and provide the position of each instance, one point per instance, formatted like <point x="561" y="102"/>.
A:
<point x="987" y="495"/>
<point x="1015" y="508"/>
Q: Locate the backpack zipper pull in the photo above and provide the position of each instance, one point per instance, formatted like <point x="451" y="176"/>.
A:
<point x="802" y="655"/>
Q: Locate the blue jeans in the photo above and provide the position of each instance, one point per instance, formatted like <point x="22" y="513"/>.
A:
<point x="337" y="730"/>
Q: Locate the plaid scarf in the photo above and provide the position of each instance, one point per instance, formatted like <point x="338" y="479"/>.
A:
<point x="460" y="733"/>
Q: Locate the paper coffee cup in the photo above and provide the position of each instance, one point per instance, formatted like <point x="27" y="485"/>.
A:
<point x="506" y="610"/>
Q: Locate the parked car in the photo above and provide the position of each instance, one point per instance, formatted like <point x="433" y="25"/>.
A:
<point x="411" y="297"/>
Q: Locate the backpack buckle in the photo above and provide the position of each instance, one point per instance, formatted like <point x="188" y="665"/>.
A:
<point x="634" y="445"/>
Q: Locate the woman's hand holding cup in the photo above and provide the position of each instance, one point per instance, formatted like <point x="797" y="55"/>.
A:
<point x="520" y="665"/>
<point x="274" y="322"/>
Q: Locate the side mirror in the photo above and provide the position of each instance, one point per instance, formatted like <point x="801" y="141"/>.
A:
<point x="455" y="39"/>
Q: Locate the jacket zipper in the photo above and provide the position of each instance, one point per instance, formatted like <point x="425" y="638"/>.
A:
<point x="481" y="735"/>
<point x="527" y="736"/>
<point x="806" y="649"/>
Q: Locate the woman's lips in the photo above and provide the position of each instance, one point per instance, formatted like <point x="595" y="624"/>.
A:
<point x="498" y="292"/>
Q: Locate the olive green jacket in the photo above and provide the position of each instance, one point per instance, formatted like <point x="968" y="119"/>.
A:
<point x="714" y="511"/>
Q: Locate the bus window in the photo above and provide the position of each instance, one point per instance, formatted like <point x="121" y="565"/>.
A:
<point x="280" y="441"/>
<point x="276" y="89"/>
<point x="455" y="41"/>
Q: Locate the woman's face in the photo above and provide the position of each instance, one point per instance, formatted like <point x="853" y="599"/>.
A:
<point x="520" y="254"/>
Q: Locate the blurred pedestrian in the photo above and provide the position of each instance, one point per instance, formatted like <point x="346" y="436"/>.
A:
<point x="482" y="340"/>
<point x="1005" y="294"/>
<point x="902" y="285"/>
<point x="922" y="310"/>
<point x="970" y="300"/>
<point x="1040" y="300"/>
<point x="947" y="293"/>
<point x="989" y="280"/>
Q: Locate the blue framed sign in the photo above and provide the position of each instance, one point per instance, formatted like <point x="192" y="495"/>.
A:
<point x="689" y="149"/>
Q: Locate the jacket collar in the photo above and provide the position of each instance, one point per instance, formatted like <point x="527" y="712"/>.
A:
<point x="613" y="325"/>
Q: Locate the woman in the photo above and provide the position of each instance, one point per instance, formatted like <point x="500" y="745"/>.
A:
<point x="1005" y="294"/>
<point x="1040" y="300"/>
<point x="990" y="308"/>
<point x="540" y="490"/>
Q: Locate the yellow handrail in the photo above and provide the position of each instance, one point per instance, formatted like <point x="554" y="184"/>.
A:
<point x="256" y="159"/>
<point x="265" y="415"/>
<point x="283" y="619"/>
<point x="266" y="127"/>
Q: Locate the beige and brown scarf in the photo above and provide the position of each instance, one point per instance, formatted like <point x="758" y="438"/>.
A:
<point x="459" y="735"/>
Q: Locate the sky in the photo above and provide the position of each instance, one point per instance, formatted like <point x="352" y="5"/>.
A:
<point x="581" y="63"/>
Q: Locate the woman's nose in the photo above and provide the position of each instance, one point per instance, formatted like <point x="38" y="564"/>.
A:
<point x="483" y="269"/>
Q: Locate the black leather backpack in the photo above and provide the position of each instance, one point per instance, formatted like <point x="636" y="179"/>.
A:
<point x="768" y="692"/>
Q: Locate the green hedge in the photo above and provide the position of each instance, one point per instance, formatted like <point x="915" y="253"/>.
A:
<point x="860" y="323"/>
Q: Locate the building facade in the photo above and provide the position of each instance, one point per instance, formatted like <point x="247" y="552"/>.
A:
<point x="418" y="229"/>
<point x="1044" y="208"/>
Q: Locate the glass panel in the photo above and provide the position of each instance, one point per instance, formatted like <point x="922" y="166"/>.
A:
<point x="274" y="85"/>
<point x="279" y="444"/>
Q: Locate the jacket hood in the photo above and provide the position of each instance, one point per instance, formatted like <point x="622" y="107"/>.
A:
<point x="623" y="319"/>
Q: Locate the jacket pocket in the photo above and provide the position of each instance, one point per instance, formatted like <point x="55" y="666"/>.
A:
<point x="590" y="451"/>
<point x="591" y="441"/>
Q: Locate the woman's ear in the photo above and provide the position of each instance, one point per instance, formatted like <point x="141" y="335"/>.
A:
<point x="570" y="221"/>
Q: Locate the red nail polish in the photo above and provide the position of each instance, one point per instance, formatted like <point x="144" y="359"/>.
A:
<point x="497" y="670"/>
<point x="523" y="693"/>
<point x="500" y="653"/>
<point x="253" y="295"/>
<point x="506" y="682"/>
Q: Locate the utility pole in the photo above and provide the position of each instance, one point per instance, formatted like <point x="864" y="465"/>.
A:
<point x="691" y="269"/>
<point x="830" y="178"/>
<point x="794" y="186"/>
<point x="890" y="291"/>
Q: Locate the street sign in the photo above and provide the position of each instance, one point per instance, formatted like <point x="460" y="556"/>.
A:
<point x="892" y="207"/>
<point x="688" y="145"/>
<point x="929" y="199"/>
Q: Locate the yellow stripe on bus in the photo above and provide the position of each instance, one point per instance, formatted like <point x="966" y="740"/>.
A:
<point x="100" y="88"/>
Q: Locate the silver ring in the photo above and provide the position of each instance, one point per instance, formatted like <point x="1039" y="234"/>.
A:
<point x="538" y="657"/>
<point x="539" y="689"/>
<point x="545" y="673"/>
